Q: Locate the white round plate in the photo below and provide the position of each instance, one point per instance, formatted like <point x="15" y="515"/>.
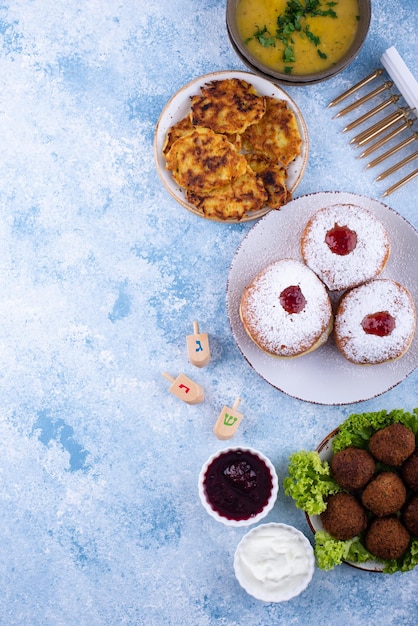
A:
<point x="326" y="453"/>
<point x="178" y="107"/>
<point x="323" y="376"/>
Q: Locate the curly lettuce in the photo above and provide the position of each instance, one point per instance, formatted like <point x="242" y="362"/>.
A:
<point x="357" y="429"/>
<point x="309" y="482"/>
<point x="330" y="552"/>
<point x="407" y="562"/>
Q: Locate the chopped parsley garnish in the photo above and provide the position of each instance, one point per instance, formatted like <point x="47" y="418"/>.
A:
<point x="292" y="21"/>
<point x="263" y="37"/>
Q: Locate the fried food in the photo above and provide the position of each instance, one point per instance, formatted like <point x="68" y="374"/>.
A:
<point x="233" y="200"/>
<point x="230" y="153"/>
<point x="202" y="160"/>
<point x="392" y="445"/>
<point x="409" y="472"/>
<point x="410" y="515"/>
<point x="176" y="131"/>
<point x="352" y="468"/>
<point x="385" y="494"/>
<point x="227" y="106"/>
<point x="273" y="176"/>
<point x="276" y="135"/>
<point x="387" y="538"/>
<point x="344" y="517"/>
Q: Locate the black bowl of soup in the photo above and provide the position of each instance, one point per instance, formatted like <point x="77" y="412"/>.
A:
<point x="297" y="42"/>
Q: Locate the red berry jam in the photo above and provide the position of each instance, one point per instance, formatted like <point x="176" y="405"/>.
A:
<point x="380" y="324"/>
<point x="292" y="299"/>
<point x="341" y="240"/>
<point x="238" y="484"/>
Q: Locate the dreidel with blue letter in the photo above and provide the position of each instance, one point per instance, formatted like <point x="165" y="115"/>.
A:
<point x="228" y="421"/>
<point x="198" y="347"/>
<point x="185" y="388"/>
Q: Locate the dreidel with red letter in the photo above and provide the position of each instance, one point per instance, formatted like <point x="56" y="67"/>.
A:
<point x="185" y="388"/>
<point x="228" y="421"/>
<point x="198" y="347"/>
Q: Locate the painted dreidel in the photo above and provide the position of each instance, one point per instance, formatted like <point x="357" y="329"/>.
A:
<point x="198" y="347"/>
<point x="185" y="388"/>
<point x="228" y="421"/>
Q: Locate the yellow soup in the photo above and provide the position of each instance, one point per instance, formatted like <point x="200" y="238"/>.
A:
<point x="322" y="41"/>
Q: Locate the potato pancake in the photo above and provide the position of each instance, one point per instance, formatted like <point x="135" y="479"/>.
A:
<point x="177" y="130"/>
<point x="276" y="135"/>
<point x="234" y="200"/>
<point x="202" y="160"/>
<point x="273" y="176"/>
<point x="230" y="153"/>
<point x="227" y="106"/>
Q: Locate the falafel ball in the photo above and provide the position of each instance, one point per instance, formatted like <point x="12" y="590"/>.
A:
<point x="392" y="445"/>
<point x="410" y="515"/>
<point x="409" y="472"/>
<point x="344" y="516"/>
<point x="387" y="538"/>
<point x="385" y="494"/>
<point x="352" y="468"/>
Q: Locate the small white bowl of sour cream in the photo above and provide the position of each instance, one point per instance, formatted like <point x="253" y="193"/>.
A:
<point x="274" y="562"/>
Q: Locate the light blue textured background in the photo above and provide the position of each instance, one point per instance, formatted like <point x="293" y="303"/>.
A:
<point x="101" y="276"/>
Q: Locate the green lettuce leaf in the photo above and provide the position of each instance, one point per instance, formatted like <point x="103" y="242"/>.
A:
<point x="357" y="429"/>
<point x="407" y="562"/>
<point x="330" y="552"/>
<point x="309" y="482"/>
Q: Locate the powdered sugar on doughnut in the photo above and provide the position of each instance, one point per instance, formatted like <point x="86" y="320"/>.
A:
<point x="375" y="296"/>
<point x="363" y="263"/>
<point x="270" y="325"/>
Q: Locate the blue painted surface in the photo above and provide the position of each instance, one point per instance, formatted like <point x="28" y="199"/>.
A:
<point x="102" y="275"/>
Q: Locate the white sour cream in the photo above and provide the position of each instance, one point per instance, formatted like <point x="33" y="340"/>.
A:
<point x="274" y="562"/>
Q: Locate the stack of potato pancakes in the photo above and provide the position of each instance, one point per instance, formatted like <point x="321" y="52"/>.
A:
<point x="231" y="152"/>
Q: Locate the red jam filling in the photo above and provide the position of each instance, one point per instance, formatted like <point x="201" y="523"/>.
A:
<point x="292" y="299"/>
<point x="238" y="484"/>
<point x="380" y="324"/>
<point x="341" y="240"/>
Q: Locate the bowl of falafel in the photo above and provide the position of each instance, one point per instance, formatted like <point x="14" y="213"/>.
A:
<point x="359" y="492"/>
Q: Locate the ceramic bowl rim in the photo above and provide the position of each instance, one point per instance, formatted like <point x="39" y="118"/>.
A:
<point x="271" y="500"/>
<point x="257" y="66"/>
<point x="304" y="582"/>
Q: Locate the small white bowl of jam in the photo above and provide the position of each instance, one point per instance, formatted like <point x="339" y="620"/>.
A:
<point x="238" y="486"/>
<point x="281" y="42"/>
<point x="274" y="562"/>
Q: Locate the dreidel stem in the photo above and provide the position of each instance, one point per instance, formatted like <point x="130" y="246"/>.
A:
<point x="236" y="404"/>
<point x="169" y="377"/>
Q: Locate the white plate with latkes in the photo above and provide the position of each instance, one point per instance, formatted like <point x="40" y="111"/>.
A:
<point x="180" y="105"/>
<point x="323" y="376"/>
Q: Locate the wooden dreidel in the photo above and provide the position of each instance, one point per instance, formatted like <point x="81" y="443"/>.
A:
<point x="185" y="388"/>
<point x="228" y="421"/>
<point x="198" y="347"/>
